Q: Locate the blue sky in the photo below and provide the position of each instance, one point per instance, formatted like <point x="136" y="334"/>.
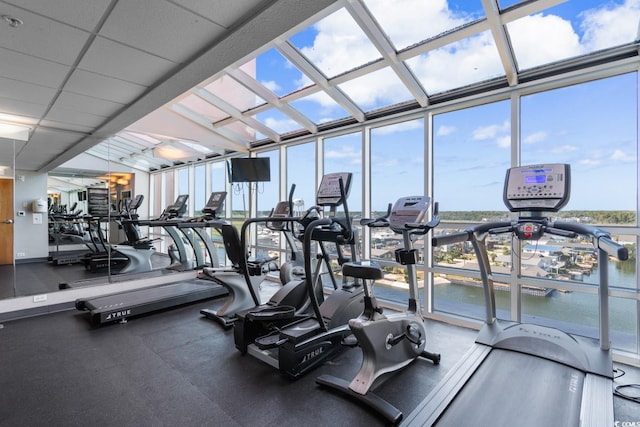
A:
<point x="591" y="126"/>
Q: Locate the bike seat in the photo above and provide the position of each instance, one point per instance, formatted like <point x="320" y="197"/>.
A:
<point x="368" y="270"/>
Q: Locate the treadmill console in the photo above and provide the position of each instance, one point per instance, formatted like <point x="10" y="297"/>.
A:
<point x="329" y="191"/>
<point x="179" y="207"/>
<point x="281" y="210"/>
<point x="408" y="210"/>
<point x="214" y="204"/>
<point x="537" y="188"/>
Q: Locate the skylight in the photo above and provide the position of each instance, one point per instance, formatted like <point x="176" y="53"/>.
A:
<point x="369" y="56"/>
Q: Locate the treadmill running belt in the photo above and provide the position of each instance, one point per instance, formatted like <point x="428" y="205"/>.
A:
<point x="513" y="389"/>
<point x="123" y="305"/>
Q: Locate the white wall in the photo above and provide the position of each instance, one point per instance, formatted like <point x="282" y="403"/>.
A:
<point x="30" y="239"/>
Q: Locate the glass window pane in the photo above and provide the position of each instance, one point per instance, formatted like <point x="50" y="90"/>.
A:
<point x="276" y="120"/>
<point x="234" y="93"/>
<point x="299" y="157"/>
<point x="468" y="61"/>
<point x="571" y="29"/>
<point x="471" y="153"/>
<point x="320" y="108"/>
<point x="276" y="73"/>
<point x="462" y="296"/>
<point x="202" y="107"/>
<point x="199" y="196"/>
<point x="397" y="163"/>
<point x="592" y="127"/>
<point x="389" y="90"/>
<point x="335" y="44"/>
<point x="623" y="315"/>
<point x="170" y="190"/>
<point x="157" y="195"/>
<point x="183" y="181"/>
<point x="408" y="22"/>
<point x="269" y="192"/>
<point x="344" y="154"/>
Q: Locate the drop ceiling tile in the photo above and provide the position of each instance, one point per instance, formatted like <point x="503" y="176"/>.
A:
<point x="109" y="88"/>
<point x="141" y="67"/>
<point x="25" y="68"/>
<point x="81" y="14"/>
<point x="87" y="104"/>
<point x="22" y="108"/>
<point x="44" y="145"/>
<point x="42" y="37"/>
<point x="28" y="92"/>
<point x="160" y="28"/>
<point x="64" y="115"/>
<point x="222" y="12"/>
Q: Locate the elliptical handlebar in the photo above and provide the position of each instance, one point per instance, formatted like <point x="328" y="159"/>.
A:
<point x="382" y="221"/>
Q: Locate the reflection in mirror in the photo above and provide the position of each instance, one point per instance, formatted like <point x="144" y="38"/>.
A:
<point x="81" y="227"/>
<point x="7" y="261"/>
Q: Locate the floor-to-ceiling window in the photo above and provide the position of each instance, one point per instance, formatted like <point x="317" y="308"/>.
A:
<point x="268" y="195"/>
<point x="593" y="127"/>
<point x="200" y="190"/>
<point x="471" y="153"/>
<point x="397" y="154"/>
<point x="344" y="154"/>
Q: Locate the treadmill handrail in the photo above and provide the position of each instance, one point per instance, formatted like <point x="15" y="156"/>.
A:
<point x="600" y="239"/>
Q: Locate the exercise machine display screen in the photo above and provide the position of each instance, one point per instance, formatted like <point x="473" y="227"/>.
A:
<point x="179" y="207"/>
<point x="329" y="191"/>
<point x="536" y="188"/>
<point x="408" y="210"/>
<point x="214" y="203"/>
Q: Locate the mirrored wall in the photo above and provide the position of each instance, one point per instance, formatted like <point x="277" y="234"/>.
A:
<point x="7" y="262"/>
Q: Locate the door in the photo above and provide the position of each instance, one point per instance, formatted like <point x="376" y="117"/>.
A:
<point x="6" y="221"/>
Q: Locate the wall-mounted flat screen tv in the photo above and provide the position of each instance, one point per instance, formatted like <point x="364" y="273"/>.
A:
<point x="254" y="169"/>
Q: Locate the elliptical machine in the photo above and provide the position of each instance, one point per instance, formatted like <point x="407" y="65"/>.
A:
<point x="298" y="344"/>
<point x="389" y="342"/>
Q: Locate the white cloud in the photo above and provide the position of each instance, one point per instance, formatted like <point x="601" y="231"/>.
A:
<point x="272" y="85"/>
<point x="367" y="91"/>
<point x="491" y="131"/>
<point x="560" y="149"/>
<point x="345" y="152"/>
<point x="590" y="162"/>
<point x="340" y="45"/>
<point x="610" y="25"/>
<point x="467" y="61"/>
<point x="281" y="126"/>
<point x="540" y="39"/>
<point x="504" y="142"/>
<point x="445" y="130"/>
<point x="535" y="137"/>
<point x="621" y="156"/>
<point x="426" y="19"/>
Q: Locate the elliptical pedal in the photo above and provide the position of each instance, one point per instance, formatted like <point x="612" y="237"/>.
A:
<point x="279" y="312"/>
<point x="270" y="341"/>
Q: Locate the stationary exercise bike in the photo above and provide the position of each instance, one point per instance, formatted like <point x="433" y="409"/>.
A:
<point x="389" y="342"/>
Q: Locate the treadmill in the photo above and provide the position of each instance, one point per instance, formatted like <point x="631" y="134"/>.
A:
<point x="519" y="374"/>
<point x="121" y="306"/>
<point x="183" y="247"/>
